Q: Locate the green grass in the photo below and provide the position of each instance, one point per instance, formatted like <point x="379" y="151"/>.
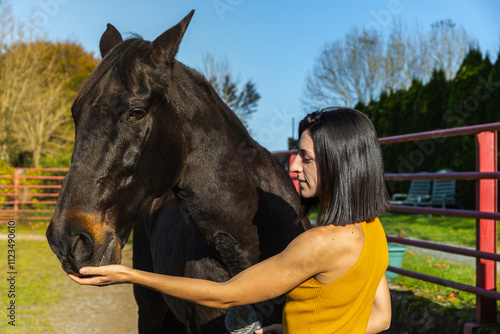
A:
<point x="40" y="283"/>
<point x="449" y="230"/>
<point x="37" y="228"/>
<point x="36" y="288"/>
<point x="442" y="268"/>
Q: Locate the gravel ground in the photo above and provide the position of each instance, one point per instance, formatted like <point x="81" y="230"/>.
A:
<point x="90" y="309"/>
<point x="448" y="256"/>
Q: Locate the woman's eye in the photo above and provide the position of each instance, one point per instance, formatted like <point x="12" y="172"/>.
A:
<point x="137" y="114"/>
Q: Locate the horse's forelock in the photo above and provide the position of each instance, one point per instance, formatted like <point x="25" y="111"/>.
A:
<point x="123" y="58"/>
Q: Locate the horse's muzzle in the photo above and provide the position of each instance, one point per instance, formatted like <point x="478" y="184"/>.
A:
<point x="76" y="248"/>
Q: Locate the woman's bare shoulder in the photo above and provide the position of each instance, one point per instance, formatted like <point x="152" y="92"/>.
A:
<point x="338" y="248"/>
<point x="331" y="238"/>
<point x="325" y="252"/>
<point x="332" y="231"/>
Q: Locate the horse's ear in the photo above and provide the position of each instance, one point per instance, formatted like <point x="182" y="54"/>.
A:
<point x="164" y="47"/>
<point x="109" y="39"/>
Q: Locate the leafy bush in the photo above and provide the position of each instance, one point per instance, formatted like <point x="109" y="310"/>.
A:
<point x="5" y="170"/>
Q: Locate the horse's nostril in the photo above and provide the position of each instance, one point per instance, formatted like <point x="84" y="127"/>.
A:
<point x="82" y="247"/>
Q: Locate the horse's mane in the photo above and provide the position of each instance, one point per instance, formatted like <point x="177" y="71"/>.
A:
<point x="232" y="119"/>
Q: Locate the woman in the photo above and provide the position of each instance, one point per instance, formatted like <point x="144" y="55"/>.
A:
<point x="333" y="275"/>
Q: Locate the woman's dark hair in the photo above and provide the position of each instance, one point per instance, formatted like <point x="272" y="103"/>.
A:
<point x="350" y="165"/>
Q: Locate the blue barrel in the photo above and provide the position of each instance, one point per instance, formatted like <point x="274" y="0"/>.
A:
<point x="396" y="254"/>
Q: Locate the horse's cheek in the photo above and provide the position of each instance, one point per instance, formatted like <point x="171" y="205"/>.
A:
<point x="130" y="158"/>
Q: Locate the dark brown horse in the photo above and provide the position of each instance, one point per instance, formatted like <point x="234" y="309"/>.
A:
<point x="158" y="151"/>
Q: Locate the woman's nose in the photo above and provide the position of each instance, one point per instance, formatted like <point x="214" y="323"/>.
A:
<point x="295" y="167"/>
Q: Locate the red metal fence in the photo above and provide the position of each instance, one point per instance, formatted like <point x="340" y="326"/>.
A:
<point x="486" y="214"/>
<point x="30" y="194"/>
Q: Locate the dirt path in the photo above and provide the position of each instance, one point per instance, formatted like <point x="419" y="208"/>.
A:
<point x="89" y="309"/>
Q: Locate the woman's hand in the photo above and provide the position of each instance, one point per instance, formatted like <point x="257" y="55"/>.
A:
<point x="105" y="275"/>
<point x="273" y="329"/>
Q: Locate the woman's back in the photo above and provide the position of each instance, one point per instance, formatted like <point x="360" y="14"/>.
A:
<point x="339" y="299"/>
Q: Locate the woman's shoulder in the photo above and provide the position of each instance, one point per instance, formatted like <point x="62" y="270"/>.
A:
<point x="333" y="231"/>
<point x="330" y="250"/>
<point x="331" y="238"/>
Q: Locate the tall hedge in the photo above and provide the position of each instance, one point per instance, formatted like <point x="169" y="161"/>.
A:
<point x="472" y="97"/>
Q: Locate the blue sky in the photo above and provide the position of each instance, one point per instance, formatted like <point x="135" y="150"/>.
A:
<point x="272" y="43"/>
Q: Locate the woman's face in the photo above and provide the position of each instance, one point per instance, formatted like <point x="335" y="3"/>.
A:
<point x="304" y="165"/>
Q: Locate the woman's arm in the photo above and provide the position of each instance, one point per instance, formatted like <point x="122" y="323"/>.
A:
<point x="264" y="280"/>
<point x="380" y="314"/>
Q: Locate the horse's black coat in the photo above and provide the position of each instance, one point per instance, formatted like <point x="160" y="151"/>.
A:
<point x="156" y="147"/>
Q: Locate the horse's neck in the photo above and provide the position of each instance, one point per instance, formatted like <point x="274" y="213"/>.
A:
<point x="227" y="175"/>
<point x="220" y="147"/>
<point x="220" y="199"/>
<point x="217" y="175"/>
<point x="234" y="187"/>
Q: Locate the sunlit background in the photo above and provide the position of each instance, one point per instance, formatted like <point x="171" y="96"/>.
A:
<point x="272" y="43"/>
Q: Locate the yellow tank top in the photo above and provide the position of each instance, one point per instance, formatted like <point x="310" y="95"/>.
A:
<point x="344" y="305"/>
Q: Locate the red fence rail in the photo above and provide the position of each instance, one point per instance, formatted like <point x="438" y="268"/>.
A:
<point x="486" y="177"/>
<point x="30" y="194"/>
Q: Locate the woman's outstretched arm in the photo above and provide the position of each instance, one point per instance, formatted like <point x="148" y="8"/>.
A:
<point x="264" y="280"/>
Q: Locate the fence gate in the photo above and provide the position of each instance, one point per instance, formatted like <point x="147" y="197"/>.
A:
<point x="30" y="194"/>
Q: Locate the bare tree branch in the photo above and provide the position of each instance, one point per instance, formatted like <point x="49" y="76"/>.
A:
<point x="364" y="64"/>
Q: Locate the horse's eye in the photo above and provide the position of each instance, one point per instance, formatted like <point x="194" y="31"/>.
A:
<point x="137" y="114"/>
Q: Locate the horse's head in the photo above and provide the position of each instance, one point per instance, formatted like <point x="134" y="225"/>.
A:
<point x="123" y="156"/>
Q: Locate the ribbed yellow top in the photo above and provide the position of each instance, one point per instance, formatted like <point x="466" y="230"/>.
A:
<point x="344" y="305"/>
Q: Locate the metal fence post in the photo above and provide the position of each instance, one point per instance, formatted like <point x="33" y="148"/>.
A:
<point x="486" y="229"/>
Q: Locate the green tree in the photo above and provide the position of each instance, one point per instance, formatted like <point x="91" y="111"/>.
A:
<point x="38" y="81"/>
<point x="490" y="91"/>
<point x="471" y="97"/>
<point x="242" y="99"/>
<point x="467" y="105"/>
<point x="8" y="34"/>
